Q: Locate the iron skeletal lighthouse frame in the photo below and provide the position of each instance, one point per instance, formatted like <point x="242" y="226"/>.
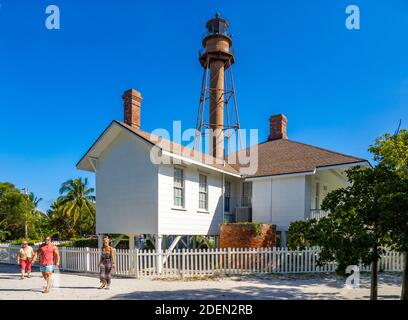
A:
<point x="217" y="91"/>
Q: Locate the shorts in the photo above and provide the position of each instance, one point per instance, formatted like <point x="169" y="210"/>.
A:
<point x="48" y="268"/>
<point x="25" y="265"/>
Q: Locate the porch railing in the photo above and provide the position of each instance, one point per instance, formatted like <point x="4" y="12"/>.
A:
<point x="318" y="214"/>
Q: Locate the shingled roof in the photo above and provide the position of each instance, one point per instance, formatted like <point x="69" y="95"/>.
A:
<point x="275" y="157"/>
<point x="283" y="156"/>
<point x="180" y="150"/>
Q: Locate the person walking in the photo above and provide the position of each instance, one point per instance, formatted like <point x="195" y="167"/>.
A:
<point x="106" y="264"/>
<point x="24" y="259"/>
<point x="48" y="255"/>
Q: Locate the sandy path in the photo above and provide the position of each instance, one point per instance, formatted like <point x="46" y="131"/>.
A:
<point x="75" y="286"/>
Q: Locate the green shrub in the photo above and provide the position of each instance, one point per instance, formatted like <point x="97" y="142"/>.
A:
<point x="80" y="243"/>
<point x="91" y="243"/>
<point x="278" y="238"/>
<point x="84" y="243"/>
<point x="300" y="234"/>
<point x="20" y="241"/>
<point x="65" y="244"/>
<point x="255" y="225"/>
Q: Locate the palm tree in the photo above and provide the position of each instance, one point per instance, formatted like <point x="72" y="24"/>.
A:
<point x="59" y="221"/>
<point x="35" y="201"/>
<point x="78" y="200"/>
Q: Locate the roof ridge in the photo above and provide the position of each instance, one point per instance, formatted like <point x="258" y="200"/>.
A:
<point x="327" y="150"/>
<point x="302" y="143"/>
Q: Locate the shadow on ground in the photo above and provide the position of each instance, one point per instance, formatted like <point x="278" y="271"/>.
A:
<point x="330" y="280"/>
<point x="245" y="287"/>
<point x="243" y="293"/>
<point x="19" y="290"/>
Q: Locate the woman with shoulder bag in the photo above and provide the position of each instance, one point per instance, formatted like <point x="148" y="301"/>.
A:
<point x="24" y="259"/>
<point x="106" y="264"/>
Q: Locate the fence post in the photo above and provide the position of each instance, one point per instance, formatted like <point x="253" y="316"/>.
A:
<point x="229" y="260"/>
<point x="63" y="257"/>
<point x="88" y="260"/>
<point x="183" y="262"/>
<point x="274" y="259"/>
<point x="9" y="254"/>
<point x="136" y="262"/>
<point x="129" y="254"/>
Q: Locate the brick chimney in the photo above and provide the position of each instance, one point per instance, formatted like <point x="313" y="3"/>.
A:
<point x="277" y="125"/>
<point x="132" y="101"/>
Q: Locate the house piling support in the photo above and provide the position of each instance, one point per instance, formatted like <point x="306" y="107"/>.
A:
<point x="100" y="240"/>
<point x="171" y="248"/>
<point x="131" y="253"/>
<point x="158" y="246"/>
<point x="185" y="244"/>
<point x="116" y="242"/>
<point x="217" y="242"/>
<point x="151" y="239"/>
<point x="193" y="242"/>
<point x="206" y="241"/>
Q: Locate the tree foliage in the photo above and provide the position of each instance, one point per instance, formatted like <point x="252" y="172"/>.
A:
<point x="300" y="234"/>
<point x="391" y="151"/>
<point x="78" y="200"/>
<point x="369" y="214"/>
<point x="71" y="215"/>
<point x="15" y="210"/>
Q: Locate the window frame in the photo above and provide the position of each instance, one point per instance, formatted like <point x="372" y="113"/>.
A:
<point x="206" y="192"/>
<point x="182" y="187"/>
<point x="227" y="195"/>
<point x="317" y="195"/>
<point x="246" y="200"/>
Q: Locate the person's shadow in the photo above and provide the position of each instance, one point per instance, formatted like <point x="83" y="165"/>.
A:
<point x="14" y="290"/>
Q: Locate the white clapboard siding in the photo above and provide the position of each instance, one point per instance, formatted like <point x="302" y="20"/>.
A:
<point x="196" y="262"/>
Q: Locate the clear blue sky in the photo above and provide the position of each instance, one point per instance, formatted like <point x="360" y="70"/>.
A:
<point x="340" y="89"/>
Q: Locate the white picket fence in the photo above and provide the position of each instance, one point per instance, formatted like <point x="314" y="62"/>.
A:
<point x="195" y="262"/>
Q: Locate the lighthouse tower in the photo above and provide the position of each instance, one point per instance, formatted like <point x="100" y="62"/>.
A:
<point x="217" y="110"/>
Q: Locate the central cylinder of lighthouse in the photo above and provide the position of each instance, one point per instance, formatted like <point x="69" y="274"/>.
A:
<point x="217" y="74"/>
<point x="217" y="56"/>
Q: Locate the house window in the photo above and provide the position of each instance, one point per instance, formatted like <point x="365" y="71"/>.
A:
<point x="203" y="192"/>
<point x="227" y="196"/>
<point x="317" y="196"/>
<point x="178" y="187"/>
<point x="246" y="194"/>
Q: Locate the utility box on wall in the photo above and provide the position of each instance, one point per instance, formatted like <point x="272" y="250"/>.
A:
<point x="247" y="235"/>
<point x="243" y="214"/>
